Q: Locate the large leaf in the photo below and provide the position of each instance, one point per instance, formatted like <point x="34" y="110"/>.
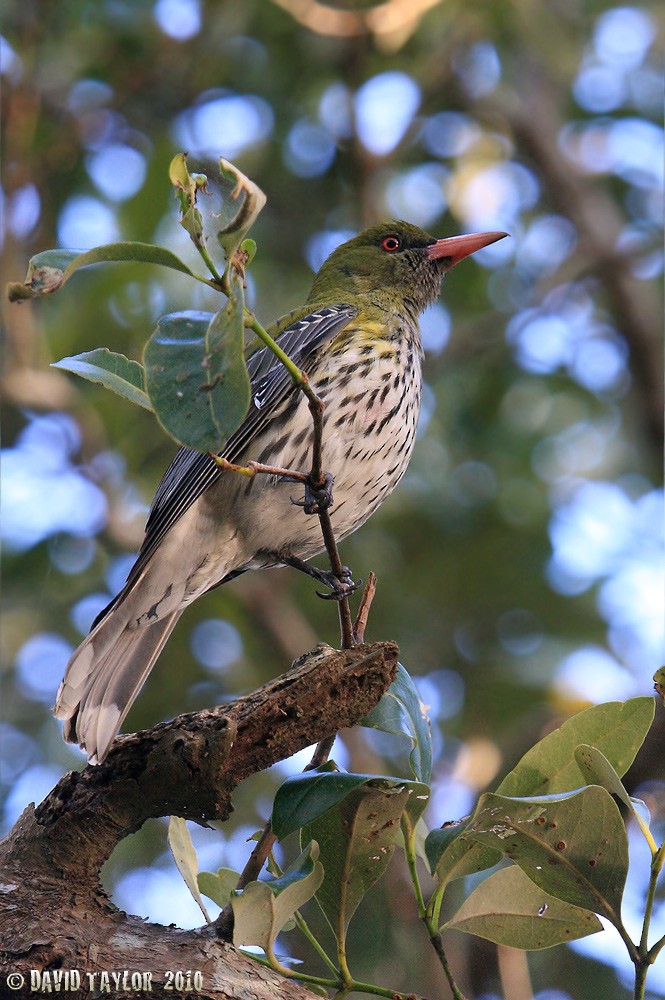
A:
<point x="509" y="909"/>
<point x="573" y="846"/>
<point x="550" y="767"/>
<point x="50" y="270"/>
<point x="598" y="771"/>
<point x="113" y="371"/>
<point x="401" y="712"/>
<point x="307" y="796"/>
<point x="618" y="729"/>
<point x="262" y="909"/>
<point x="356" y="841"/>
<point x="196" y="375"/>
<point x="184" y="856"/>
<point x="450" y="856"/>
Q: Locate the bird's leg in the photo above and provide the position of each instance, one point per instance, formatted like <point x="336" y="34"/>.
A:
<point x="340" y="585"/>
<point x="318" y="497"/>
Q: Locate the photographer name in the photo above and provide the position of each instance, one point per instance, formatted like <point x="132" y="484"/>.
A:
<point x="125" y="981"/>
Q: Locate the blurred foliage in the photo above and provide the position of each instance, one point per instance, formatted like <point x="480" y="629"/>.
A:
<point x="519" y="559"/>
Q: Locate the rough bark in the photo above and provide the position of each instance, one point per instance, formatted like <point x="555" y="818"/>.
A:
<point x="54" y="915"/>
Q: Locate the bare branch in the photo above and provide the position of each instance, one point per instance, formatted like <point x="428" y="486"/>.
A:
<point x="55" y="914"/>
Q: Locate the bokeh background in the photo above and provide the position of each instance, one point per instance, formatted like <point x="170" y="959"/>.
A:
<point x="520" y="560"/>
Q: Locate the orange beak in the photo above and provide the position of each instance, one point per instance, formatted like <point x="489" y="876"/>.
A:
<point x="456" y="248"/>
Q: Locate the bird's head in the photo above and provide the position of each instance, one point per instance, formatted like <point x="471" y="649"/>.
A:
<point x="393" y="261"/>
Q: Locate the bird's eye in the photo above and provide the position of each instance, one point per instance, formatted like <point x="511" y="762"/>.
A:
<point x="390" y="243"/>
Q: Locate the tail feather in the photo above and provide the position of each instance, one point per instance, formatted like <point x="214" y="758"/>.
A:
<point x="104" y="676"/>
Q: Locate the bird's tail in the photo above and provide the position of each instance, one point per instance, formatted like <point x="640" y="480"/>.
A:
<point x="105" y="675"/>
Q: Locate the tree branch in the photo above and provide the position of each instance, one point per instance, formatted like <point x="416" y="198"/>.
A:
<point x="55" y="914"/>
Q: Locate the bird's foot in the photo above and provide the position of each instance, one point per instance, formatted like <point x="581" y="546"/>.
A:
<point x="340" y="586"/>
<point x="317" y="497"/>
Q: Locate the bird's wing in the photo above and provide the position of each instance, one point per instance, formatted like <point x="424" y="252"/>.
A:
<point x="192" y="472"/>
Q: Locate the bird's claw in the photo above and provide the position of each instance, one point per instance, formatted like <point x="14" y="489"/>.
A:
<point x="340" y="586"/>
<point x="317" y="498"/>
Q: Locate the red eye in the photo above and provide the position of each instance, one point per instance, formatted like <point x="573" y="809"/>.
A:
<point x="390" y="244"/>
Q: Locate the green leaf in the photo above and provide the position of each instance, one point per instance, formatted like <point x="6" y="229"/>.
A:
<point x="184" y="856"/>
<point x="450" y="856"/>
<point x="402" y="713"/>
<point x="573" y="846"/>
<point x="262" y="909"/>
<point x="196" y="375"/>
<point x="218" y="887"/>
<point x="598" y="771"/>
<point x="50" y="270"/>
<point x="305" y="797"/>
<point x="509" y="909"/>
<point x="113" y="371"/>
<point x="356" y="841"/>
<point x="617" y="728"/>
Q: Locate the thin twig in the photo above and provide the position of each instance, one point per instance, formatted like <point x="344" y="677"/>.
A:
<point x="316" y="406"/>
<point x="321" y="753"/>
<point x="253" y="468"/>
<point x="437" y="944"/>
<point x="345" y="623"/>
<point x="363" y="610"/>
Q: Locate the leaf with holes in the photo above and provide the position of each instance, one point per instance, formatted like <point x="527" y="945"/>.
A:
<point x="617" y="728"/>
<point x="509" y="909"/>
<point x="356" y="840"/>
<point x="573" y="845"/>
<point x="450" y="856"/>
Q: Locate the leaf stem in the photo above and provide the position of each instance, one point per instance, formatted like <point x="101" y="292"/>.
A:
<point x="252" y="323"/>
<point x="434" y="906"/>
<point x="641" y="970"/>
<point x="208" y="261"/>
<point x="303" y="927"/>
<point x="436" y="940"/>
<point x="656" y="867"/>
<point x="353" y="985"/>
<point x="408" y="833"/>
<point x="426" y="913"/>
<point x="651" y="892"/>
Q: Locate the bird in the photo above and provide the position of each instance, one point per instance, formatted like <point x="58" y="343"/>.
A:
<point x="357" y="339"/>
